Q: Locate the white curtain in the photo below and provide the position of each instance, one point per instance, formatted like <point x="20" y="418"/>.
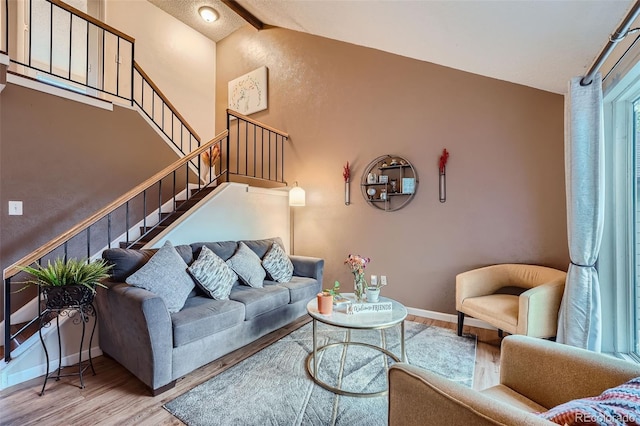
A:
<point x="580" y="321"/>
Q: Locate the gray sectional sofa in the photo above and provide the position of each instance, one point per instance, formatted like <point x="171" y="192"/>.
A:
<point x="159" y="347"/>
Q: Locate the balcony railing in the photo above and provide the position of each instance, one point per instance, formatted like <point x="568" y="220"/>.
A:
<point x="68" y="48"/>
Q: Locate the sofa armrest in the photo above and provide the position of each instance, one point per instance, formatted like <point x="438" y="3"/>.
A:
<point x="305" y="266"/>
<point x="420" y="397"/>
<point x="538" y="309"/>
<point x="135" y="329"/>
<point x="551" y="373"/>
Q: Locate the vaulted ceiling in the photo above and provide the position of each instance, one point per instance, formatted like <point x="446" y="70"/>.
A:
<point x="537" y="43"/>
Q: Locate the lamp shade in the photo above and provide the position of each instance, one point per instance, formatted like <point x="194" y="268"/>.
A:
<point x="297" y="196"/>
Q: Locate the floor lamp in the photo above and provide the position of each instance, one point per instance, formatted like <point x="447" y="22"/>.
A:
<point x="296" y="199"/>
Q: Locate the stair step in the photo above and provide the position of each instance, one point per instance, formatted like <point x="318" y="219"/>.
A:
<point x="186" y="205"/>
<point x="150" y="233"/>
<point x="203" y="192"/>
<point x="22" y="337"/>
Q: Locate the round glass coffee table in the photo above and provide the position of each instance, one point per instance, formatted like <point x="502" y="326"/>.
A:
<point x="357" y="321"/>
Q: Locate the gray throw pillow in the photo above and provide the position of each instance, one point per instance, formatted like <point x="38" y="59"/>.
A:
<point x="212" y="274"/>
<point x="248" y="266"/>
<point x="165" y="275"/>
<point x="277" y="264"/>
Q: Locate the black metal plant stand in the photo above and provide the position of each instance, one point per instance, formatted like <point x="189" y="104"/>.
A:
<point x="80" y="314"/>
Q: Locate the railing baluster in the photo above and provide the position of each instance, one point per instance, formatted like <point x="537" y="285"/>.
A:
<point x="70" y="42"/>
<point x="88" y="243"/>
<point x="30" y="32"/>
<point x="118" y="67"/>
<point x="254" y="150"/>
<point x="126" y="217"/>
<point x="160" y="201"/>
<point x="109" y="230"/>
<point x="86" y="79"/>
<point x="103" y="64"/>
<point x="50" y="38"/>
<point x="144" y="214"/>
<point x="7" y="319"/>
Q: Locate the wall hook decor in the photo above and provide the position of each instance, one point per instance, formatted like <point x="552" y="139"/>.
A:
<point x="442" y="181"/>
<point x="346" y="174"/>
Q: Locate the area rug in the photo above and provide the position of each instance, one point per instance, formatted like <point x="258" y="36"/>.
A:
<point x="272" y="387"/>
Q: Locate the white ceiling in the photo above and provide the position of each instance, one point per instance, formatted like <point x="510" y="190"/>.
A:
<point x="537" y="43"/>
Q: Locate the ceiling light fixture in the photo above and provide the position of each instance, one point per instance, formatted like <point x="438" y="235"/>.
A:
<point x="209" y="14"/>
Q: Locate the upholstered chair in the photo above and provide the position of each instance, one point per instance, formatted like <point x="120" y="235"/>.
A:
<point x="516" y="298"/>
<point x="536" y="375"/>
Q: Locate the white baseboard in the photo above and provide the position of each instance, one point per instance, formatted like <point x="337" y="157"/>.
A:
<point x="449" y="318"/>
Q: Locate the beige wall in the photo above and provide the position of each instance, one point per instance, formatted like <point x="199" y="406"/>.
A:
<point x="180" y="60"/>
<point x="342" y="103"/>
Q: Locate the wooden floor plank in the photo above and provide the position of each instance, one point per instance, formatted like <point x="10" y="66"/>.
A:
<point x="115" y="396"/>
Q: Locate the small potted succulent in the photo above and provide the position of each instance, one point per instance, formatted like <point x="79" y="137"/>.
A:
<point x="67" y="283"/>
<point x="325" y="299"/>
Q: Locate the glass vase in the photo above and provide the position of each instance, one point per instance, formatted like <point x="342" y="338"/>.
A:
<point x="359" y="286"/>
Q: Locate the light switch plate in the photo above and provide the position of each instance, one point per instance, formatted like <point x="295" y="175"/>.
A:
<point x="383" y="279"/>
<point x="374" y="280"/>
<point x="15" y="208"/>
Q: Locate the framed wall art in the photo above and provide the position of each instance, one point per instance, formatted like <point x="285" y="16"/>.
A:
<point x="248" y="93"/>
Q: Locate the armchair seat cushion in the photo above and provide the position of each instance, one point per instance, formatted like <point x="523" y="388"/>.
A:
<point x="500" y="309"/>
<point x="507" y="395"/>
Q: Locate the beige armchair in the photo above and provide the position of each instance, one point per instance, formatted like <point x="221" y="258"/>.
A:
<point x="516" y="298"/>
<point x="535" y="375"/>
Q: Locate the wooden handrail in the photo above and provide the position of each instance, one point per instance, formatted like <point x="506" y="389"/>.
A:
<point x="173" y="109"/>
<point x="91" y="19"/>
<point x="257" y="123"/>
<point x="58" y="241"/>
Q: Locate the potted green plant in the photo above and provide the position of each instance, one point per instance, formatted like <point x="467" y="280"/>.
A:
<point x="69" y="282"/>
<point x="325" y="299"/>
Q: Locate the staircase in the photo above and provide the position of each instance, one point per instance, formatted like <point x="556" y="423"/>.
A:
<point x="256" y="156"/>
<point x="181" y="207"/>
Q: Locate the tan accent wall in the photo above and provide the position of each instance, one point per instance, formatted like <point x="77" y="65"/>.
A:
<point x="66" y="160"/>
<point x="341" y="102"/>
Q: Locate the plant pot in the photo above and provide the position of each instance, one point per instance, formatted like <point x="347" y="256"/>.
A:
<point x="66" y="296"/>
<point x="325" y="303"/>
<point x="373" y="294"/>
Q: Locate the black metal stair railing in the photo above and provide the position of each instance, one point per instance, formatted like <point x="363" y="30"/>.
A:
<point x="258" y="149"/>
<point x="145" y="205"/>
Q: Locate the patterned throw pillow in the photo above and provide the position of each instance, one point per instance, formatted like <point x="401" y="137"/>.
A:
<point x="212" y="274"/>
<point x="277" y="264"/>
<point x="165" y="275"/>
<point x="248" y="266"/>
<point x="615" y="406"/>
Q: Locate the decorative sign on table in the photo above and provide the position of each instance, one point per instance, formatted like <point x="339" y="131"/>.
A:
<point x="355" y="308"/>
<point x="248" y="93"/>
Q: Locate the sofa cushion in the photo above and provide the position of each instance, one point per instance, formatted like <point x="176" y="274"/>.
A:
<point x="224" y="249"/>
<point x="615" y="406"/>
<point x="212" y="274"/>
<point x="165" y="275"/>
<point x="505" y="394"/>
<point x="260" y="247"/>
<point x="277" y="264"/>
<point x="202" y="316"/>
<point x="257" y="301"/>
<point x="127" y="261"/>
<point x="247" y="265"/>
<point x="300" y="288"/>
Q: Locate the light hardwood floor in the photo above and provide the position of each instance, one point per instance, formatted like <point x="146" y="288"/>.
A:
<point x="114" y="397"/>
